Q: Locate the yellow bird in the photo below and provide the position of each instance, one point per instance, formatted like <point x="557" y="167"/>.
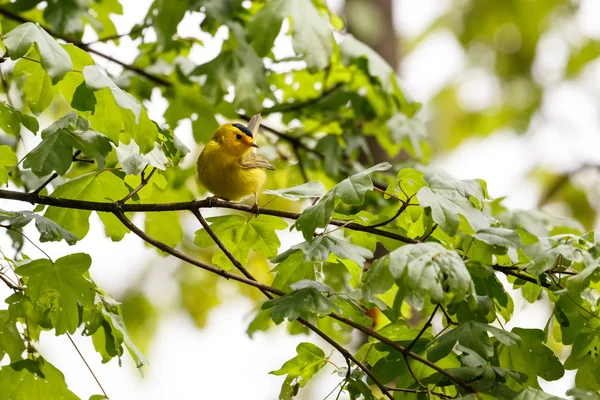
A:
<point x="229" y="166"/>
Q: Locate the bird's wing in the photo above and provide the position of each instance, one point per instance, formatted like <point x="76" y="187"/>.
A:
<point x="253" y="160"/>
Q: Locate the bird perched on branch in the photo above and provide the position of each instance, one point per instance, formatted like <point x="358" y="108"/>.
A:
<point x="229" y="166"/>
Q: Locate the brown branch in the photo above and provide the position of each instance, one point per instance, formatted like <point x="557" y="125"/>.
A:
<point x="424" y="238"/>
<point x="228" y="275"/>
<point x="349" y="357"/>
<point x="513" y="272"/>
<point x="400" y="348"/>
<point x="34" y="198"/>
<point x="401" y="209"/>
<point x="184" y="257"/>
<point x="9" y="283"/>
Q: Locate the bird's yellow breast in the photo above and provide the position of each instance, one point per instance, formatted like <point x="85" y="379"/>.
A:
<point x="224" y="176"/>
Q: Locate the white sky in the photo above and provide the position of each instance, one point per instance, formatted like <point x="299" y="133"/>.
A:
<point x="221" y="361"/>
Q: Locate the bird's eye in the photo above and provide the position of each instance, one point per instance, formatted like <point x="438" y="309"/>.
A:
<point x="238" y="136"/>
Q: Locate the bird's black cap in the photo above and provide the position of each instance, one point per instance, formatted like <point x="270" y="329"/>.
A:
<point x="243" y="129"/>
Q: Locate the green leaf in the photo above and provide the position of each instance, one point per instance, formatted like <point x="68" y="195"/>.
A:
<point x="11" y="342"/>
<point x="307" y="190"/>
<point x="377" y="280"/>
<point x="291" y="270"/>
<point x="240" y="235"/>
<point x="408" y="130"/>
<point x="532" y="358"/>
<point x="265" y="25"/>
<point x="54" y="58"/>
<point x="300" y="369"/>
<point x="33" y="380"/>
<point x="83" y="98"/>
<point x="168" y="15"/>
<point x="11" y="120"/>
<point x="316" y="216"/>
<point x="37" y="89"/>
<point x="105" y="186"/>
<point x="8" y="159"/>
<point x="49" y="230"/>
<point x="95" y="79"/>
<point x="55" y="152"/>
<point x="321" y="248"/>
<point x="474" y="335"/>
<point x="237" y="65"/>
<point x="548" y="251"/>
<point x="449" y="199"/>
<point x="428" y="269"/>
<point x="311" y="37"/>
<point x="133" y="161"/>
<point x="353" y="50"/>
<point x="351" y="191"/>
<point x="535" y="394"/>
<point x="292" y="305"/>
<point x="578" y="283"/>
<point x="501" y="237"/>
<point x="114" y="328"/>
<point x="184" y="102"/>
<point x="59" y="286"/>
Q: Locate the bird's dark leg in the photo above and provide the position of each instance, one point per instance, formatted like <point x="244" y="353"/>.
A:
<point x="255" y="206"/>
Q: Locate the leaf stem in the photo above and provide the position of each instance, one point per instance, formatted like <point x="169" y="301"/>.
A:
<point x="87" y="365"/>
<point x="144" y="182"/>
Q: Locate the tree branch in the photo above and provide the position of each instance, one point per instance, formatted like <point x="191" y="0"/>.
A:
<point x="184" y="257"/>
<point x="34" y="198"/>
<point x="228" y="275"/>
<point x="349" y="357"/>
<point x="422" y="331"/>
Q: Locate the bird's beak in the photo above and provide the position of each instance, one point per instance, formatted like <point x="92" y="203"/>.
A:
<point x="254" y="145"/>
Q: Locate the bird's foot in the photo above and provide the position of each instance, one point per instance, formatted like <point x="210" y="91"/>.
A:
<point x="212" y="200"/>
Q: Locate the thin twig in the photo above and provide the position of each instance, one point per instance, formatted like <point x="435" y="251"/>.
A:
<point x="448" y="319"/>
<point x="87" y="365"/>
<point x="422" y="331"/>
<point x="118" y="35"/>
<point x="9" y="283"/>
<point x="300" y="164"/>
<point x="401" y="209"/>
<point x="144" y="182"/>
<point x="424" y="238"/>
<point x="10" y="228"/>
<point x="510" y="271"/>
<point x="225" y="250"/>
<point x="54" y="175"/>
